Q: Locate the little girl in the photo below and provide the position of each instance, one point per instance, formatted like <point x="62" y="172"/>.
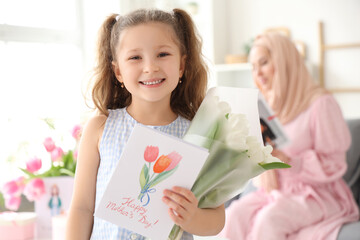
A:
<point x="149" y="71"/>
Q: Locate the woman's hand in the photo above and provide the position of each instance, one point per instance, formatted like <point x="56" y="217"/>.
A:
<point x="280" y="155"/>
<point x="269" y="180"/>
<point x="183" y="206"/>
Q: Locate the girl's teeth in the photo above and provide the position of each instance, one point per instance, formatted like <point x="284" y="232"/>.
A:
<point x="152" y="83"/>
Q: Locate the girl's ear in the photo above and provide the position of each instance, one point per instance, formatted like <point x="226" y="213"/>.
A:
<point x="116" y="70"/>
<point x="182" y="65"/>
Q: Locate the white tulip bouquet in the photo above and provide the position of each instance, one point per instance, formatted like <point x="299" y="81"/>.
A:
<point x="234" y="159"/>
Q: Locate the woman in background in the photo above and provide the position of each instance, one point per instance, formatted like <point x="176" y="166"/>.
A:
<point x="310" y="200"/>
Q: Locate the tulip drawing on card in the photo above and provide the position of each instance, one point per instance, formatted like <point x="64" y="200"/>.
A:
<point x="164" y="167"/>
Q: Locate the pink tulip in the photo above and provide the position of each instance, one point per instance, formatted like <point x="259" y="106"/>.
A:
<point x="151" y="153"/>
<point x="33" y="164"/>
<point x="76" y="132"/>
<point x="14" y="187"/>
<point x="34" y="189"/>
<point x="175" y="157"/>
<point x="13" y="203"/>
<point x="49" y="144"/>
<point x="56" y="154"/>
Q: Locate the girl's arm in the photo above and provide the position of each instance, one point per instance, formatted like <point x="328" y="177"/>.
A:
<point x="184" y="212"/>
<point x="80" y="220"/>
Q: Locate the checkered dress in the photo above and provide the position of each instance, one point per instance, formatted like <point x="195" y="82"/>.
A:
<point x="118" y="127"/>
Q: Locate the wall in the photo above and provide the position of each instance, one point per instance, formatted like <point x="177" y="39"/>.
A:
<point x="341" y="19"/>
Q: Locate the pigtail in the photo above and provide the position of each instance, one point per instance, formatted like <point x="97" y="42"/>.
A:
<point x="107" y="92"/>
<point x="189" y="94"/>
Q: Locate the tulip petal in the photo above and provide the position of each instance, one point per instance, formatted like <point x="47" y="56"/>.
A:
<point x="175" y="159"/>
<point x="34" y="189"/>
<point x="161" y="164"/>
<point x="151" y="153"/>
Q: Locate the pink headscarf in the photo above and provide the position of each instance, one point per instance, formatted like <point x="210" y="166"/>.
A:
<point x="292" y="89"/>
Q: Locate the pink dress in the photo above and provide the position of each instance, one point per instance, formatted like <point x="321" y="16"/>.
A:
<point x="313" y="201"/>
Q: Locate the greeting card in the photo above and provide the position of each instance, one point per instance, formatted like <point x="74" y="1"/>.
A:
<point x="151" y="162"/>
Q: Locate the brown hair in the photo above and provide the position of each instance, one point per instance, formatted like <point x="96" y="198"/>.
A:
<point x="187" y="96"/>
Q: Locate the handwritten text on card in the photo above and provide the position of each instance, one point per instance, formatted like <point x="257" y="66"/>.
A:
<point x="130" y="209"/>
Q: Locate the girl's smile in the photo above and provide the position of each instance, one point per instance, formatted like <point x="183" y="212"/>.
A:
<point x="153" y="82"/>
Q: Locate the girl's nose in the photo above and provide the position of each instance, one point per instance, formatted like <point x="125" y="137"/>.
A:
<point x="258" y="72"/>
<point x="151" y="66"/>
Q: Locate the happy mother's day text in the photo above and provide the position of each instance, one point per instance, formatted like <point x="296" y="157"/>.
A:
<point x="130" y="209"/>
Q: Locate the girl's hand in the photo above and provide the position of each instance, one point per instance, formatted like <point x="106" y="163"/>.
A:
<point x="183" y="206"/>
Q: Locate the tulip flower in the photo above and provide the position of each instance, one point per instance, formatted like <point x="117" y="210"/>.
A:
<point x="49" y="144"/>
<point x="33" y="164"/>
<point x="161" y="164"/>
<point x="13" y="202"/>
<point x="34" y="189"/>
<point x="234" y="156"/>
<point x="14" y="187"/>
<point x="76" y="132"/>
<point x="151" y="153"/>
<point x="56" y="154"/>
<point x="32" y="185"/>
<point x="175" y="159"/>
<point x="10" y="188"/>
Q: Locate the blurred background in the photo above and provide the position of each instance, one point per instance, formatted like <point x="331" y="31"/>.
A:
<point x="47" y="52"/>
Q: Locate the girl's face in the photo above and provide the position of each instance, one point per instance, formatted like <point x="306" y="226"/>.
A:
<point x="149" y="62"/>
<point x="263" y="68"/>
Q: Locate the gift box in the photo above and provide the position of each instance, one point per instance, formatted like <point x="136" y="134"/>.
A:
<point x="17" y="226"/>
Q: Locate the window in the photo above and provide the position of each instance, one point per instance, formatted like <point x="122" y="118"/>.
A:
<point x="46" y="50"/>
<point x="41" y="76"/>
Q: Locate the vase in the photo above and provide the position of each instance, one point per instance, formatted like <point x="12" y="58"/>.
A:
<point x="55" y="201"/>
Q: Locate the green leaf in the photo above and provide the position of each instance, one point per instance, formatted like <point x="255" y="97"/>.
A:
<point x="2" y="201"/>
<point x="52" y="172"/>
<point x="146" y="172"/>
<point x="31" y="175"/>
<point x="274" y="165"/>
<point x="68" y="159"/>
<point x="162" y="176"/>
<point x="50" y="122"/>
<point x="66" y="172"/>
<point x="175" y="231"/>
<point x="143" y="174"/>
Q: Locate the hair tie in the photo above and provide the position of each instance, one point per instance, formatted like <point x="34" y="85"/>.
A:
<point x="117" y="17"/>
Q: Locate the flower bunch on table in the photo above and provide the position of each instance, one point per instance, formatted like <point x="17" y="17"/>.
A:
<point x="234" y="159"/>
<point x="32" y="185"/>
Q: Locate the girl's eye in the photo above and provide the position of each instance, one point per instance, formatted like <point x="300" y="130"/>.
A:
<point x="263" y="63"/>
<point x="134" y="58"/>
<point x="163" y="54"/>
